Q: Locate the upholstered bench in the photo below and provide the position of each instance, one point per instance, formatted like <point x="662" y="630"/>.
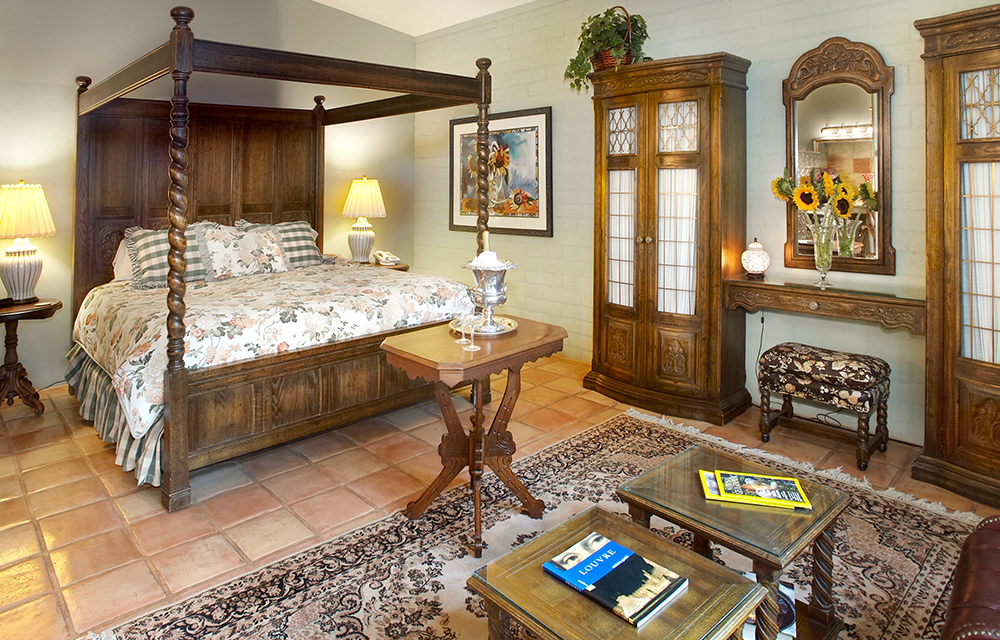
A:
<point x="851" y="381"/>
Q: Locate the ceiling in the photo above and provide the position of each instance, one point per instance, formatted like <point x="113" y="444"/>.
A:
<point x="405" y="16"/>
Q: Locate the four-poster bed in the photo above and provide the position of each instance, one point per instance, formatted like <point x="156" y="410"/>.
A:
<point x="231" y="165"/>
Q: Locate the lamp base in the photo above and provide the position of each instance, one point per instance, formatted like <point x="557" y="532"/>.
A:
<point x="361" y="240"/>
<point x="20" y="268"/>
<point x="755" y="276"/>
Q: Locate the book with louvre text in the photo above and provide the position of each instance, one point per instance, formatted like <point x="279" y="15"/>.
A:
<point x="630" y="585"/>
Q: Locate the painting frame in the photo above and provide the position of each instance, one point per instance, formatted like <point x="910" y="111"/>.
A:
<point x="521" y="194"/>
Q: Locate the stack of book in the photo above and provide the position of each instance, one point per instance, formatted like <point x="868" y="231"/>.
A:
<point x="628" y="584"/>
<point x="753" y="488"/>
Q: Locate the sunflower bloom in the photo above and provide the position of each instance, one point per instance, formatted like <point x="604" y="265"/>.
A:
<point x="805" y="197"/>
<point x="846" y="188"/>
<point x="782" y="188"/>
<point x="842" y="207"/>
<point x="829" y="189"/>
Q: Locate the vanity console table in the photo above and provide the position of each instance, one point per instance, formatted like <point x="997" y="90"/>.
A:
<point x="890" y="311"/>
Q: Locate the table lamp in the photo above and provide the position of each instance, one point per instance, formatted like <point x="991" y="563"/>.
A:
<point x="364" y="201"/>
<point x="23" y="214"/>
<point x="755" y="260"/>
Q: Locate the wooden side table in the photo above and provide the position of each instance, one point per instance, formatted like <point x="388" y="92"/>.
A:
<point x="399" y="266"/>
<point x="14" y="379"/>
<point x="432" y="354"/>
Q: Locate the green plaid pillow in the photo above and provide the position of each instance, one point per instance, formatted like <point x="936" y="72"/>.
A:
<point x="147" y="251"/>
<point x="298" y="244"/>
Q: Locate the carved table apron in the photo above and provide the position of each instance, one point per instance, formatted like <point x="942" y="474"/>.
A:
<point x="887" y="310"/>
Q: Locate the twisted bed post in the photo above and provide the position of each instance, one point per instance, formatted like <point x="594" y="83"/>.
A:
<point x="483" y="151"/>
<point x="176" y="490"/>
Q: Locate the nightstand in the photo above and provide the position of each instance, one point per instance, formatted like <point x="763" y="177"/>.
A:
<point x="14" y="379"/>
<point x="402" y="266"/>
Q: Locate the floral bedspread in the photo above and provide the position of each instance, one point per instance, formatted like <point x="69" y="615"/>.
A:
<point x="124" y="330"/>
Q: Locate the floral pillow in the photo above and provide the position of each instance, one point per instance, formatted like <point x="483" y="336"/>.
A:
<point x="297" y="240"/>
<point x="233" y="253"/>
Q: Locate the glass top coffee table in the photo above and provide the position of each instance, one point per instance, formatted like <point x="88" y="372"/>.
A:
<point x="714" y="606"/>
<point x="771" y="537"/>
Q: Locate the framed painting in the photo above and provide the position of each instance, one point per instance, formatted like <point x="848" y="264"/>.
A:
<point x="520" y="173"/>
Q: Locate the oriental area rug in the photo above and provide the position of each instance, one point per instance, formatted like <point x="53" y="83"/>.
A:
<point x="396" y="578"/>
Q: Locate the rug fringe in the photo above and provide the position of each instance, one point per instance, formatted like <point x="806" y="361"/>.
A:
<point x="104" y="635"/>
<point x="837" y="474"/>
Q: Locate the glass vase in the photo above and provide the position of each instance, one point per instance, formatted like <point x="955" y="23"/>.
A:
<point x="847" y="229"/>
<point x="823" y="227"/>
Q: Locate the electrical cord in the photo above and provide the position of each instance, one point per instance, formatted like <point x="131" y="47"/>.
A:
<point x="760" y="345"/>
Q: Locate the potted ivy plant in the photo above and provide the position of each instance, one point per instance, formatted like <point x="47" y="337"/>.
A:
<point x="607" y="40"/>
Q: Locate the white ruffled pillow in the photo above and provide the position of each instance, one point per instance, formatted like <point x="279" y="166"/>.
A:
<point x="233" y="253"/>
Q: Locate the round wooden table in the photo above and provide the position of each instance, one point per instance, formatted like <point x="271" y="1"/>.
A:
<point x="14" y="379"/>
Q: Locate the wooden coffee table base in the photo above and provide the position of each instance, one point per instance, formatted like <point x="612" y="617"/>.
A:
<point x="459" y="450"/>
<point x="771" y="538"/>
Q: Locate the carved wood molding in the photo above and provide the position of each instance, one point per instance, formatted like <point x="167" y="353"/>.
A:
<point x="959" y="33"/>
<point x="889" y="311"/>
<point x="665" y="80"/>
<point x="981" y="37"/>
<point x="841" y="59"/>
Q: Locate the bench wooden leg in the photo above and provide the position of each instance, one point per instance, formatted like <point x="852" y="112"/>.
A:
<point x="881" y="424"/>
<point x="765" y="412"/>
<point x="864" y="454"/>
<point x="768" y="418"/>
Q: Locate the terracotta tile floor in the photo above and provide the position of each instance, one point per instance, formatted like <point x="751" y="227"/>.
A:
<point x="81" y="547"/>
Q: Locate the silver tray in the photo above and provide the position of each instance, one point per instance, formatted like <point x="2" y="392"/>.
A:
<point x="507" y="324"/>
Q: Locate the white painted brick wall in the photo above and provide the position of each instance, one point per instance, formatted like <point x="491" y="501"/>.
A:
<point x="530" y="47"/>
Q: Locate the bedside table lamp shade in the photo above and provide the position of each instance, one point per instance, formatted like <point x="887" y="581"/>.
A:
<point x="23" y="214"/>
<point x="364" y="201"/>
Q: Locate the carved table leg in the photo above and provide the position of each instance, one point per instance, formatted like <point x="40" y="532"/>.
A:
<point x="821" y="606"/>
<point x="454" y="452"/>
<point x="702" y="545"/>
<point x="14" y="381"/>
<point x="475" y="457"/>
<point x="500" y="446"/>
<point x="499" y="621"/>
<point x="767" y="610"/>
<point x="639" y="515"/>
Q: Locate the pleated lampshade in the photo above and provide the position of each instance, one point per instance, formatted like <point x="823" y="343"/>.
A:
<point x="24" y="214"/>
<point x="364" y="201"/>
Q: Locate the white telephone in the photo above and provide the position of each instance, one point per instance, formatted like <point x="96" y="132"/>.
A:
<point x="384" y="257"/>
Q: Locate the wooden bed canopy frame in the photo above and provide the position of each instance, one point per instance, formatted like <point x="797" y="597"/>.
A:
<point x="220" y="412"/>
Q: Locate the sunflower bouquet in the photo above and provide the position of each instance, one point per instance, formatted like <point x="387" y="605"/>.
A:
<point x="826" y="190"/>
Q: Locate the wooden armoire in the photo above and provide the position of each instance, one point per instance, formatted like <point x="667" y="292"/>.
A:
<point x="670" y="226"/>
<point x="962" y="412"/>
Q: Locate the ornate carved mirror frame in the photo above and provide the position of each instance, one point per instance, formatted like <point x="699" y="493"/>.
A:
<point x="838" y="60"/>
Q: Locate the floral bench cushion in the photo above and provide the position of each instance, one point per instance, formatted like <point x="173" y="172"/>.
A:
<point x="851" y="370"/>
<point x="852" y="381"/>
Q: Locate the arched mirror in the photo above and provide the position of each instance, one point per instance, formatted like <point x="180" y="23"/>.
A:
<point x="837" y="115"/>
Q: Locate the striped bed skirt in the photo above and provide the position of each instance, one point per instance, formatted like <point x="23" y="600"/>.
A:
<point x="99" y="404"/>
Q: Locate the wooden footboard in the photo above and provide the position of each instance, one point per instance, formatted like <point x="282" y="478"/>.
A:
<point x="248" y="406"/>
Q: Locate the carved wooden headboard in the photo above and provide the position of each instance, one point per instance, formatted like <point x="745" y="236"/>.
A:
<point x="259" y="164"/>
